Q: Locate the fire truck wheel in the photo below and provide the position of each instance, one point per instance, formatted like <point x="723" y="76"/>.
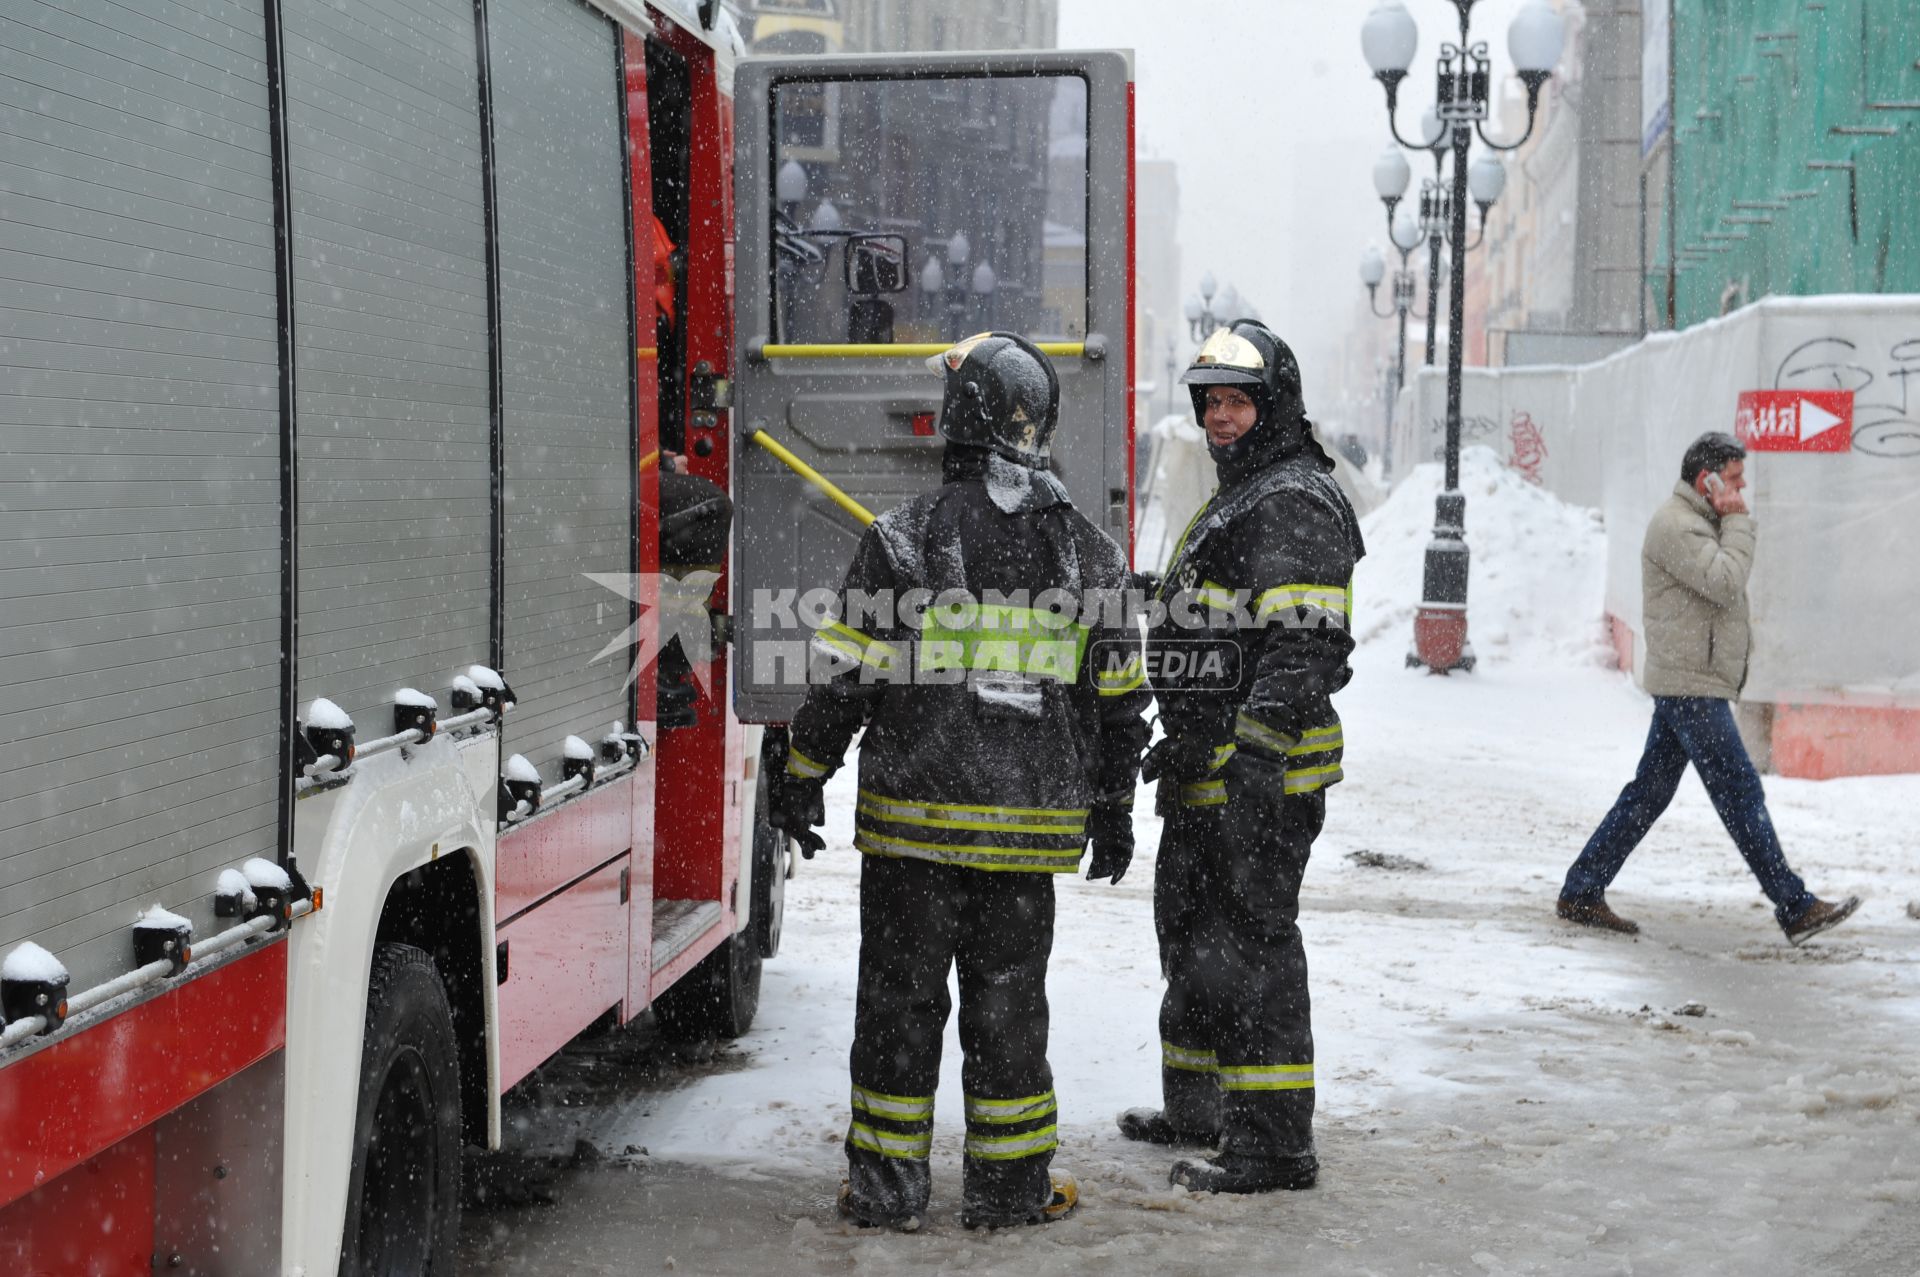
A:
<point x="403" y="1199"/>
<point x="769" y="879"/>
<point x="716" y="999"/>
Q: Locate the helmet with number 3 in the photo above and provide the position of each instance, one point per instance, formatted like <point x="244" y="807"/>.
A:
<point x="1001" y="394"/>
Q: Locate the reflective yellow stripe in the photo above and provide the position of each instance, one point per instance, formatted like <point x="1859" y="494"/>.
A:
<point x="1006" y="1148"/>
<point x="1205" y="793"/>
<point x="834" y="643"/>
<point x="798" y="764"/>
<point x="901" y="1108"/>
<point x="1330" y="598"/>
<point x="1221" y="753"/>
<point x="848" y="641"/>
<point x="1318" y="741"/>
<point x="994" y="824"/>
<point x="997" y="637"/>
<point x="974" y="857"/>
<point x="1192" y="1059"/>
<point x="1065" y="815"/>
<point x="1257" y="733"/>
<point x="1053" y="820"/>
<point x="1306" y="779"/>
<point x="1000" y="1112"/>
<point x="888" y="1144"/>
<point x="1266" y="1077"/>
<point x="1123" y="680"/>
<point x="1214" y="595"/>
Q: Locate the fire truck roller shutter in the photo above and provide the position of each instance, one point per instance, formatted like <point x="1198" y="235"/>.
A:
<point x="566" y="337"/>
<point x="391" y="348"/>
<point x="140" y="588"/>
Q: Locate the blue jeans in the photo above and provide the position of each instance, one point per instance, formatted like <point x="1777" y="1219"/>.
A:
<point x="1700" y="730"/>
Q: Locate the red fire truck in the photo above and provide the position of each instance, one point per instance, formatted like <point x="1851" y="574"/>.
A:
<point x="346" y="350"/>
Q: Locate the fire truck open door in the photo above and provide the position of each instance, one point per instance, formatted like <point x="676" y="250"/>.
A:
<point x="887" y="207"/>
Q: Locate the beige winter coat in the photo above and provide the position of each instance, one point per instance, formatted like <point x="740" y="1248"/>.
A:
<point x="1693" y="580"/>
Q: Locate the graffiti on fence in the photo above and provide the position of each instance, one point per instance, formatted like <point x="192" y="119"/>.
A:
<point x="1529" y="447"/>
<point x="1473" y="429"/>
<point x="1886" y="404"/>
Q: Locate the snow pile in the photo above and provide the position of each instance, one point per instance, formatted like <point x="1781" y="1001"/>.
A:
<point x="159" y="918"/>
<point x="264" y="875"/>
<point x="575" y="748"/>
<point x="29" y="963"/>
<point x="232" y="883"/>
<point x="1537" y="581"/>
<point x="519" y="769"/>
<point x="413" y="698"/>
<point x="327" y="716"/>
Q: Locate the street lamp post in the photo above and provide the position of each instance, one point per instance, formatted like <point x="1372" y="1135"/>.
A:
<point x="1389" y="40"/>
<point x="1373" y="269"/>
<point x="958" y="250"/>
<point x="1201" y="321"/>
<point x="983" y="286"/>
<point x="1434" y="214"/>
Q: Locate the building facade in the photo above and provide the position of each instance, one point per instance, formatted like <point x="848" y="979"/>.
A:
<point x="1794" y="156"/>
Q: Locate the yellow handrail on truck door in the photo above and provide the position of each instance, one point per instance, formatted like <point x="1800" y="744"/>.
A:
<point x="818" y="480"/>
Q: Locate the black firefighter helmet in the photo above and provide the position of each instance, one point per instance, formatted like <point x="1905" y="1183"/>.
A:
<point x="1001" y="394"/>
<point x="1246" y="355"/>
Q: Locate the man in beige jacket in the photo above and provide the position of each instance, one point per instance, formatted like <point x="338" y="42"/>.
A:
<point x="1693" y="579"/>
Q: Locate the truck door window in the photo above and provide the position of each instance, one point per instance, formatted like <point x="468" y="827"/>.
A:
<point x="984" y="177"/>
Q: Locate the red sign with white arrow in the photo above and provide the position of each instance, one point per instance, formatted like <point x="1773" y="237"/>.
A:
<point x="1795" y="420"/>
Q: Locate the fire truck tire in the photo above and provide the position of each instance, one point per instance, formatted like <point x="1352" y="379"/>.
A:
<point x="403" y="1199"/>
<point x="716" y="999"/>
<point x="769" y="880"/>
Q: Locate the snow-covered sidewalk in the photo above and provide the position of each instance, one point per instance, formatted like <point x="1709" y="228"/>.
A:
<point x="1499" y="1091"/>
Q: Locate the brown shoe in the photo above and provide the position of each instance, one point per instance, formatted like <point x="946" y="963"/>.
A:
<point x="1596" y="914"/>
<point x="1820" y="916"/>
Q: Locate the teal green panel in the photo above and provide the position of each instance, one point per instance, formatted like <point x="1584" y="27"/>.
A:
<point x="1766" y="93"/>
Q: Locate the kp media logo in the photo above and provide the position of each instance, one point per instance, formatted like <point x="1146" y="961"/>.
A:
<point x="1185" y="665"/>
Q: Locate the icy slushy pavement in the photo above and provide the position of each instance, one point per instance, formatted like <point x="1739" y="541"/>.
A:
<point x="1499" y="1092"/>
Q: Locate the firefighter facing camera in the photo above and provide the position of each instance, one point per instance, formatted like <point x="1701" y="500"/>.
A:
<point x="1243" y="773"/>
<point x="982" y="774"/>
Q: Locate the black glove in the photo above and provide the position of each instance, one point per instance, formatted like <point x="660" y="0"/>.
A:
<point x="1110" y="829"/>
<point x="798" y="805"/>
<point x="1181" y="757"/>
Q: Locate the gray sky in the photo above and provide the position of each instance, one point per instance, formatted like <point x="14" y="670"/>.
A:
<point x="1275" y="121"/>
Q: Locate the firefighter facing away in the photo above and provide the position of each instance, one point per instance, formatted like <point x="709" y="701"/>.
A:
<point x="1267" y="567"/>
<point x="994" y="751"/>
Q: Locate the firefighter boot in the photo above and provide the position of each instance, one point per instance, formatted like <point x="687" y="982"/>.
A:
<point x="1153" y="1126"/>
<point x="1239" y="1173"/>
<point x="861" y="1217"/>
<point x="1064" y="1195"/>
<point x="1190" y="1097"/>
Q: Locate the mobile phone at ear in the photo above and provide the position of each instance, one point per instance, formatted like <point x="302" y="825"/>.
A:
<point x="1716" y="486"/>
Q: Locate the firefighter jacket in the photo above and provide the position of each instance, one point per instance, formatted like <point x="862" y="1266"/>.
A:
<point x="1001" y="697"/>
<point x="1264" y="573"/>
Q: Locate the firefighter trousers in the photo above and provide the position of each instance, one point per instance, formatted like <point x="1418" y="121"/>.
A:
<point x="1236" y="1027"/>
<point x="918" y="920"/>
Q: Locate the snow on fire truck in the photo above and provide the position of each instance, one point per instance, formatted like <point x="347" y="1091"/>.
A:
<point x="351" y="355"/>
